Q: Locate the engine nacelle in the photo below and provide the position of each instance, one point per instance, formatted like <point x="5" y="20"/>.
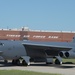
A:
<point x="70" y="54"/>
<point x="62" y="54"/>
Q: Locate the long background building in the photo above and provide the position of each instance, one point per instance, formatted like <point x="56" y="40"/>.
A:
<point x="36" y="35"/>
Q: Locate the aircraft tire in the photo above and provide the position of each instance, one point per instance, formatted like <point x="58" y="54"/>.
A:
<point x="13" y="62"/>
<point x="5" y="61"/>
<point x="24" y="63"/>
<point x="57" y="62"/>
<point x="18" y="62"/>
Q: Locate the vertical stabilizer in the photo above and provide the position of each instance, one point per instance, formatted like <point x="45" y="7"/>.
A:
<point x="73" y="40"/>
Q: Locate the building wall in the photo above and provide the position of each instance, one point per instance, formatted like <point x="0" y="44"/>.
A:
<point x="9" y="35"/>
<point x="36" y="35"/>
<point x="51" y="36"/>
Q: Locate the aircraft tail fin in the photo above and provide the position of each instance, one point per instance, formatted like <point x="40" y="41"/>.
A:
<point x="73" y="40"/>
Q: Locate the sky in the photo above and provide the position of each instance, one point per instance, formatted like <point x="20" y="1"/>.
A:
<point x="53" y="15"/>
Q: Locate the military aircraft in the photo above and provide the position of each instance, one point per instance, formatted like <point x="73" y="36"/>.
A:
<point x="36" y="51"/>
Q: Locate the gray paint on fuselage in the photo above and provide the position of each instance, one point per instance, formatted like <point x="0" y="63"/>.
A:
<point x="16" y="49"/>
<point x="54" y="44"/>
<point x="12" y="49"/>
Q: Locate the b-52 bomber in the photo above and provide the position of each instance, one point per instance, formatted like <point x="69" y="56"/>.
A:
<point x="36" y="51"/>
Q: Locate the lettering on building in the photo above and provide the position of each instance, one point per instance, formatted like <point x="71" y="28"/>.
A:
<point x="8" y="35"/>
<point x="38" y="36"/>
<point x="26" y="36"/>
<point x="54" y="37"/>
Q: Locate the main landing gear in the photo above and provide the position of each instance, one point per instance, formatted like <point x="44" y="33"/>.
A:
<point x="58" y="60"/>
<point x="25" y="61"/>
<point x="18" y="62"/>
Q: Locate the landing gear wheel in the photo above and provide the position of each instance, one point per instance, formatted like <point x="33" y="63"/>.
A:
<point x="24" y="63"/>
<point x="57" y="62"/>
<point x="14" y="62"/>
<point x="18" y="62"/>
<point x="5" y="61"/>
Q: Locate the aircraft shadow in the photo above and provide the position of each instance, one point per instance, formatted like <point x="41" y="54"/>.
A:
<point x="9" y="64"/>
<point x="64" y="65"/>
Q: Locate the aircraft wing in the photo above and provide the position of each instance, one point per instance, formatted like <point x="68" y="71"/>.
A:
<point x="50" y="50"/>
<point x="47" y="46"/>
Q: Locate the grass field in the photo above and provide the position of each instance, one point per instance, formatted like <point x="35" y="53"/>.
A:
<point x="18" y="72"/>
<point x="68" y="60"/>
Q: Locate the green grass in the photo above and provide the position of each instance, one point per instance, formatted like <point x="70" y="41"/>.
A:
<point x="68" y="60"/>
<point x="18" y="72"/>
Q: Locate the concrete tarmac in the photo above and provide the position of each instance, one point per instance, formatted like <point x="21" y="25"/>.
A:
<point x="64" y="69"/>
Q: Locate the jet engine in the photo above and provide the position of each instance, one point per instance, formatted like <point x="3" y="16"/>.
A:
<point x="70" y="54"/>
<point x="62" y="54"/>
